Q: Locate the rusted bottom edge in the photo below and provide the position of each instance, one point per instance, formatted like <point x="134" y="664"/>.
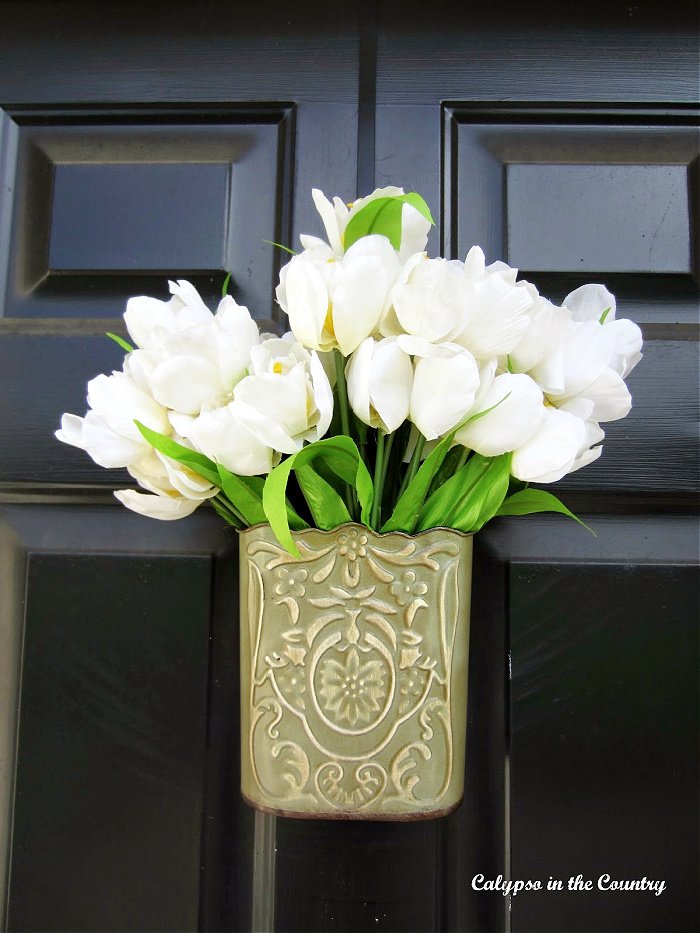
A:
<point x="357" y="814"/>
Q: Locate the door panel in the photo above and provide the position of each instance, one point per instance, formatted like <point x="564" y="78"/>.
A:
<point x="112" y="747"/>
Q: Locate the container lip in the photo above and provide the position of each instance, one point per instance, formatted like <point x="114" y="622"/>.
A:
<point x="365" y="528"/>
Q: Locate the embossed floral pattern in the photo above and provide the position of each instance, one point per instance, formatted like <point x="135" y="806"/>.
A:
<point x="412" y="684"/>
<point x="407" y="587"/>
<point x="351" y="690"/>
<point x="290" y="582"/>
<point x="352" y="544"/>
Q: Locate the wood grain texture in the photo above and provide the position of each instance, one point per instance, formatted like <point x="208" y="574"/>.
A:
<point x="224" y="51"/>
<point x="536" y="51"/>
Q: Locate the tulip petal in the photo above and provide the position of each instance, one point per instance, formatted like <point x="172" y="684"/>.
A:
<point x="164" y="508"/>
<point x="145" y="317"/>
<point x="358" y="374"/>
<point x="329" y="218"/>
<point x="517" y="415"/>
<point x="414" y="232"/>
<point x="587" y="351"/>
<point x="107" y="447"/>
<point x="550" y="453"/>
<point x="194" y="310"/>
<point x="443" y="391"/>
<point x="590" y="302"/>
<point x="282" y="399"/>
<point x="323" y="396"/>
<point x="358" y="300"/>
<point x="391" y="381"/>
<point x="222" y="436"/>
<point x="71" y="431"/>
<point x="628" y="345"/>
<point x="610" y="396"/>
<point x="185" y="383"/>
<point x="496" y="317"/>
<point x="307" y="302"/>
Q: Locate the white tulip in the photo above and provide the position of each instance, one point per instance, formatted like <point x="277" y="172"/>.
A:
<point x="149" y="319"/>
<point x="552" y="450"/>
<point x="108" y="432"/>
<point x="444" y="389"/>
<point x="200" y="363"/>
<point x="338" y="303"/>
<point x="379" y="379"/>
<point x="287" y="399"/>
<point x="336" y="216"/>
<point x="516" y="416"/>
<point x="596" y="303"/>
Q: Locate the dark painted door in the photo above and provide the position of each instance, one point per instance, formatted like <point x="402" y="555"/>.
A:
<point x="138" y="143"/>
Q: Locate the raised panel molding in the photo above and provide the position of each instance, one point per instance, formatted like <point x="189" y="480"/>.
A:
<point x="103" y="203"/>
<point x="584" y="193"/>
<point x="577" y="194"/>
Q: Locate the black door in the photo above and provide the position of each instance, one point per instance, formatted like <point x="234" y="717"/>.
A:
<point x="141" y="143"/>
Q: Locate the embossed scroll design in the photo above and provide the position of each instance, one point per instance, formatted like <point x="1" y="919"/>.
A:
<point x="350" y="687"/>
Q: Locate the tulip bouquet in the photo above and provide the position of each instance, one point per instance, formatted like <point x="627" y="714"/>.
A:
<point x="410" y="392"/>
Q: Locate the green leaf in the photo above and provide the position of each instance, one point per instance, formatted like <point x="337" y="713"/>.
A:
<point x="327" y="507"/>
<point x="529" y="501"/>
<point x="341" y="455"/>
<point x="486" y="496"/>
<point x="195" y="461"/>
<point x="124" y="344"/>
<point x="407" y="509"/>
<point x="383" y="216"/>
<point x="280" y="246"/>
<point x="604" y="315"/>
<point x="245" y="498"/>
<point x="449" y="466"/>
<point x="224" y="287"/>
<point x="468" y="495"/>
<point x="415" y="200"/>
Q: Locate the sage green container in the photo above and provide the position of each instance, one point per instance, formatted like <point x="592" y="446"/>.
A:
<point x="354" y="672"/>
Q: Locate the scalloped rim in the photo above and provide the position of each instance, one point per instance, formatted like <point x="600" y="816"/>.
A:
<point x="378" y="534"/>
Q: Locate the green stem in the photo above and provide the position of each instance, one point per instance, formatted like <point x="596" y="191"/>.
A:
<point x="387" y="454"/>
<point x="412" y="466"/>
<point x="350" y="496"/>
<point x="342" y="389"/>
<point x="379" y="474"/>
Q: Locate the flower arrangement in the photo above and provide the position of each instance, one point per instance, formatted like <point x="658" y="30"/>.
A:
<point x="410" y="392"/>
